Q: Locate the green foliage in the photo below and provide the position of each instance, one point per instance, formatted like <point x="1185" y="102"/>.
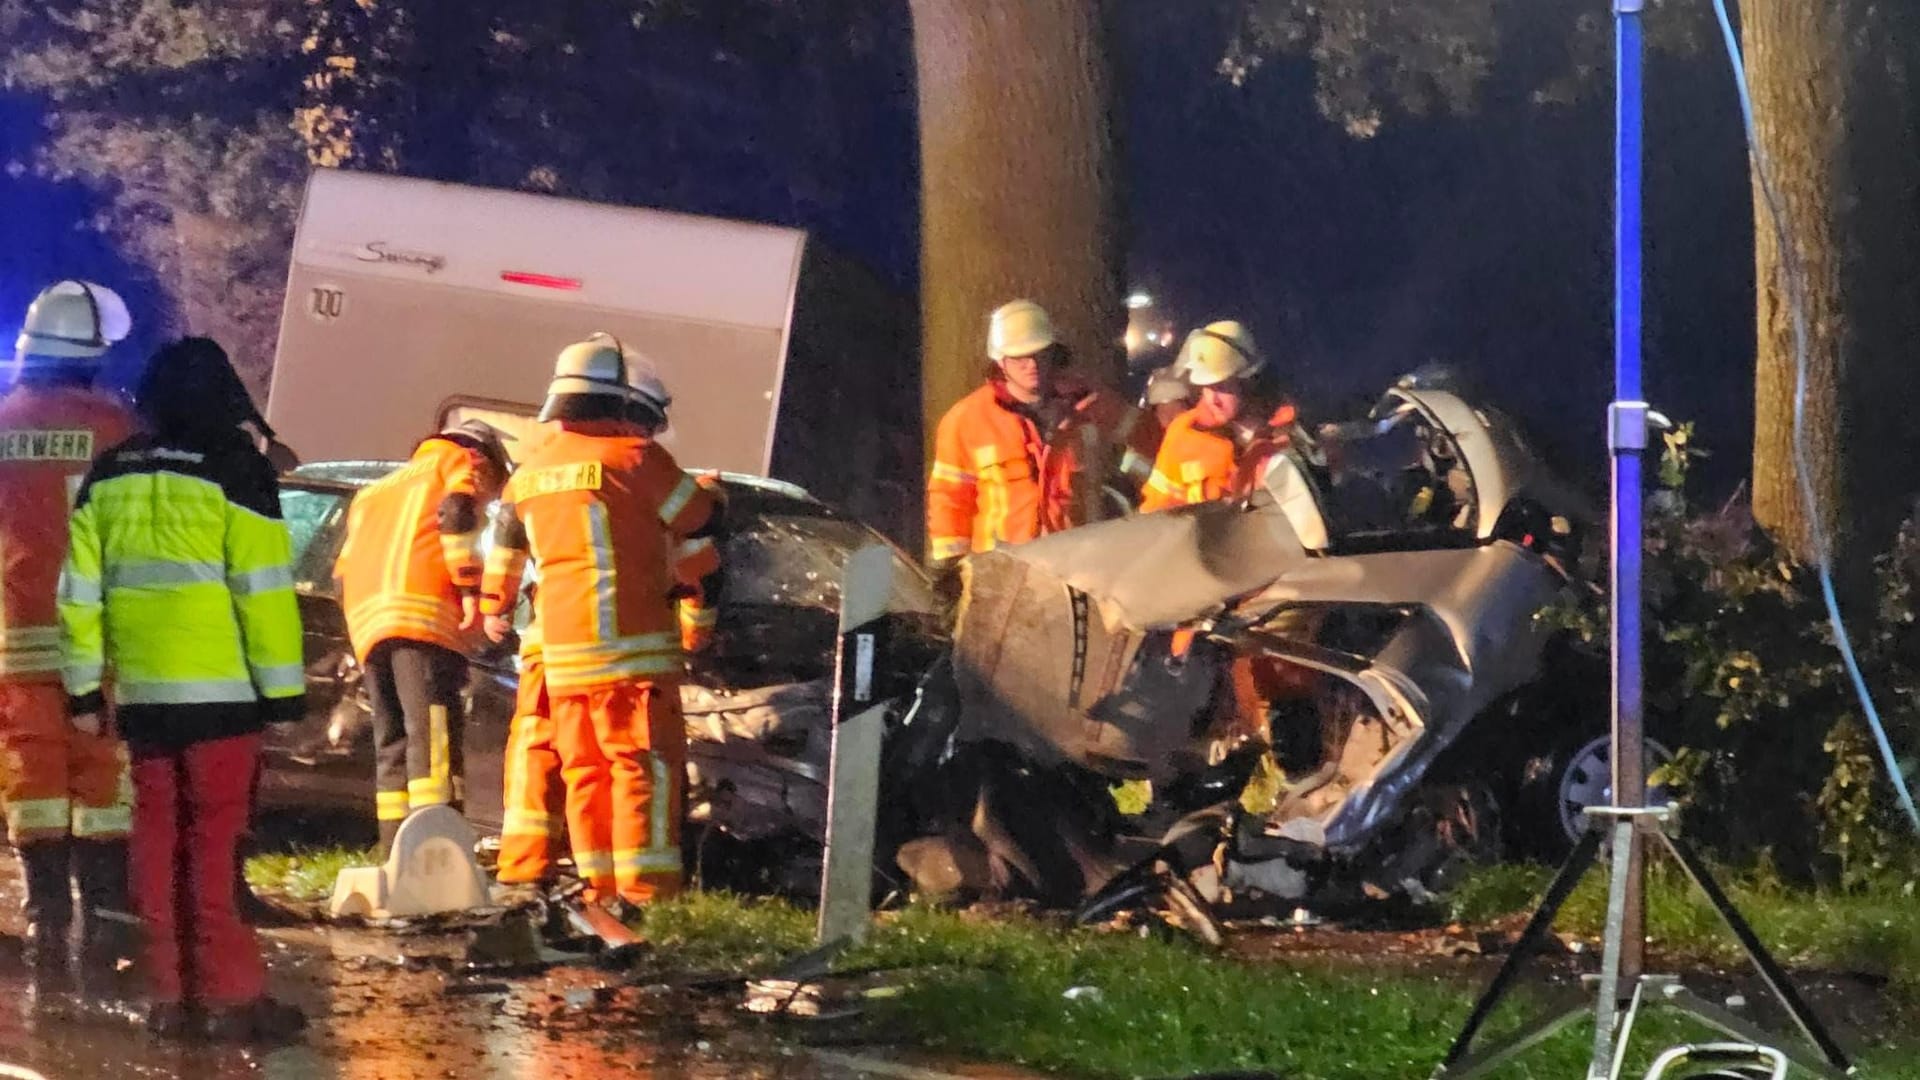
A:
<point x="197" y="122"/>
<point x="1373" y="54"/>
<point x="1088" y="1003"/>
<point x="1744" y="683"/>
<point x="717" y="930"/>
<point x="1372" y="58"/>
<point x="177" y="115"/>
<point x="304" y="873"/>
<point x="1497" y="891"/>
<point x="1871" y="927"/>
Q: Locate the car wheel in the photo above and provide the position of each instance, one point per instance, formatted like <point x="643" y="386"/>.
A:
<point x="1559" y="787"/>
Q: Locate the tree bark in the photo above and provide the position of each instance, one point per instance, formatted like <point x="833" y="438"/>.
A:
<point x="1019" y="182"/>
<point x="238" y="311"/>
<point x="1829" y="89"/>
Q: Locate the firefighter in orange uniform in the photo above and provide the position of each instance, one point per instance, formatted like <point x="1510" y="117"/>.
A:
<point x="619" y="533"/>
<point x="533" y="799"/>
<point x="67" y="793"/>
<point x="1007" y="456"/>
<point x="1207" y="449"/>
<point x="409" y="574"/>
<point x="1144" y="427"/>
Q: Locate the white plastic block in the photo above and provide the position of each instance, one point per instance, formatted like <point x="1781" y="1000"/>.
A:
<point x="430" y="871"/>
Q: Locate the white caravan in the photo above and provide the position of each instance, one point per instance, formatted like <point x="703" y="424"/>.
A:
<point x="412" y="303"/>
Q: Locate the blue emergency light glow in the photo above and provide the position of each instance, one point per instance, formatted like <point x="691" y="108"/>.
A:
<point x="1627" y="429"/>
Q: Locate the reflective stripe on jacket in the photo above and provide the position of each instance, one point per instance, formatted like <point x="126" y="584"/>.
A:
<point x="413" y="548"/>
<point x="179" y="581"/>
<point x="1140" y="433"/>
<point x="608" y="515"/>
<point x="48" y="438"/>
<point x="995" y="478"/>
<point x="1194" y="465"/>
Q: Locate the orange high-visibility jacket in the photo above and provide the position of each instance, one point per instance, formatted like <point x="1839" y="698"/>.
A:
<point x="1194" y="465"/>
<point x="996" y="478"/>
<point x="49" y="436"/>
<point x="1198" y="459"/>
<point x="413" y="549"/>
<point x="618" y="531"/>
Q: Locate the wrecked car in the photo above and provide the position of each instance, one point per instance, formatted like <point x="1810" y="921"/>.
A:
<point x="756" y="703"/>
<point x="1338" y="686"/>
<point x="1332" y="687"/>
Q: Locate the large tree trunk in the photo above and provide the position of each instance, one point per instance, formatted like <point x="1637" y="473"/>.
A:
<point x="1830" y="97"/>
<point x="1020" y="193"/>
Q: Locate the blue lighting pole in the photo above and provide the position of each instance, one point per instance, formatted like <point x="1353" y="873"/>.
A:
<point x="1627" y="443"/>
<point x="1622" y="977"/>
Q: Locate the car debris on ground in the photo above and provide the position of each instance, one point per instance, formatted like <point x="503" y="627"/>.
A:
<point x="1303" y="727"/>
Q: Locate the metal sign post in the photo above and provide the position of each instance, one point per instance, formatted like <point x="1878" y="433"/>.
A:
<point x="1622" y="987"/>
<point x="859" y="722"/>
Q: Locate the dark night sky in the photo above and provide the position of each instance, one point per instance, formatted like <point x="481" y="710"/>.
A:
<point x="1481" y="242"/>
<point x="1484" y="243"/>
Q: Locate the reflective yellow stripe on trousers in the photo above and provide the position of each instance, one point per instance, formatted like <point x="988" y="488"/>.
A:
<point x="593" y="864"/>
<point x="660" y="855"/>
<point x="390" y="805"/>
<point x="529" y="823"/>
<point x="437" y="787"/>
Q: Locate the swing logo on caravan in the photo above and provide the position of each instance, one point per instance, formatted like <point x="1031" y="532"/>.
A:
<point x="379" y="251"/>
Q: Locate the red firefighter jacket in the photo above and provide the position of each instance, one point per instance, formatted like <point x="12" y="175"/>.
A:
<point x="49" y="436"/>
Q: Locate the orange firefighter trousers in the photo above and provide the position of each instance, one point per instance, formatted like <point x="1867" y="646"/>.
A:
<point x="533" y="804"/>
<point x="623" y="752"/>
<point x="57" y="782"/>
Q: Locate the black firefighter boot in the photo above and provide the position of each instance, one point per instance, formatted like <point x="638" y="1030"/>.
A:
<point x="47" y="867"/>
<point x="107" y="942"/>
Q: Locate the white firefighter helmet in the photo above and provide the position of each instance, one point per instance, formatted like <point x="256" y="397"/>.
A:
<point x="1018" y="328"/>
<point x="1217" y="352"/>
<point x="1165" y="386"/>
<point x="603" y="367"/>
<point x="72" y="320"/>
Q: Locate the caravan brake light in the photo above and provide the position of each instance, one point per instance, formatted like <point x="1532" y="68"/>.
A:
<point x="540" y="281"/>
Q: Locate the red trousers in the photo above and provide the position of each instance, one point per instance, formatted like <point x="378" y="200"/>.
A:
<point x="623" y="753"/>
<point x="55" y="781"/>
<point x="190" y="807"/>
<point x="533" y="797"/>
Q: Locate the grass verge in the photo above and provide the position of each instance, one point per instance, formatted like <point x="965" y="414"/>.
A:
<point x="304" y="873"/>
<point x="998" y="989"/>
<point x="1873" y="931"/>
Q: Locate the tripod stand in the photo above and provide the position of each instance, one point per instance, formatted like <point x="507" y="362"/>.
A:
<point x="1623" y="986"/>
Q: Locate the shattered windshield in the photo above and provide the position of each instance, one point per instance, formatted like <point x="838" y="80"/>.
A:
<point x="783" y="552"/>
<point x="315" y="519"/>
<point x="795" y="560"/>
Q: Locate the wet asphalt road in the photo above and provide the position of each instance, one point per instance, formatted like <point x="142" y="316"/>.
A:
<point x="379" y="1007"/>
<point x="375" y="1018"/>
